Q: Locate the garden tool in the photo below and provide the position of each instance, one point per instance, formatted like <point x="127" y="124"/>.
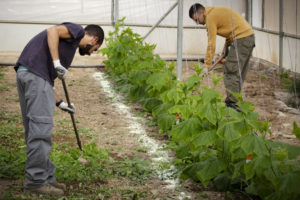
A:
<point x="216" y="62"/>
<point x="80" y="159"/>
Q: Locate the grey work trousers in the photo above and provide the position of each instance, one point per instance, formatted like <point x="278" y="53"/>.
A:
<point x="236" y="69"/>
<point x="37" y="102"/>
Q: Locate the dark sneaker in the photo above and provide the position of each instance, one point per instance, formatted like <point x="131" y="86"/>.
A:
<point x="47" y="189"/>
<point x="234" y="106"/>
<point x="61" y="186"/>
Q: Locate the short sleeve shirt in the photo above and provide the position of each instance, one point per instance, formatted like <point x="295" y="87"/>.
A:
<point x="36" y="55"/>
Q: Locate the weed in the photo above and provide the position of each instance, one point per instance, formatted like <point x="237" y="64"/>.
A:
<point x="136" y="169"/>
<point x="141" y="149"/>
<point x="3" y="84"/>
<point x="69" y="169"/>
<point x="263" y="77"/>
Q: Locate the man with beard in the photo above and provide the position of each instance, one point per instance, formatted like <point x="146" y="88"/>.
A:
<point x="48" y="56"/>
<point x="240" y="39"/>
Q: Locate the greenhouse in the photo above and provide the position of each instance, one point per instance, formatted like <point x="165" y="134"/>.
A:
<point x="150" y="99"/>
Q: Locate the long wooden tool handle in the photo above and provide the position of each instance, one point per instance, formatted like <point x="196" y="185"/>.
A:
<point x="215" y="64"/>
<point x="72" y="115"/>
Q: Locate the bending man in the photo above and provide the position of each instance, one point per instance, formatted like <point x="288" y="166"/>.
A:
<point x="239" y="36"/>
<point x="47" y="56"/>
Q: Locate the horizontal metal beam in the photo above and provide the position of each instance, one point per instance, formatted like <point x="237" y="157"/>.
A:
<point x="100" y="24"/>
<point x="103" y="66"/>
<point x="277" y="33"/>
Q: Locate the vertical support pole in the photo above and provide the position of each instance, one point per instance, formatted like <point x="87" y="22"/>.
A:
<point x="280" y="34"/>
<point x="113" y="22"/>
<point x="179" y="39"/>
<point x="116" y="12"/>
<point x="263" y="14"/>
<point x="249" y="11"/>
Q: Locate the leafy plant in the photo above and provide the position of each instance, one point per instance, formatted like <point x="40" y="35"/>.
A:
<point x="214" y="144"/>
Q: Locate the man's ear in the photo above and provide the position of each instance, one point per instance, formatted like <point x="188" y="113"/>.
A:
<point x="95" y="39"/>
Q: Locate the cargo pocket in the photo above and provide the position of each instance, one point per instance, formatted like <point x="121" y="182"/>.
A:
<point x="40" y="127"/>
<point x="38" y="144"/>
<point x="231" y="66"/>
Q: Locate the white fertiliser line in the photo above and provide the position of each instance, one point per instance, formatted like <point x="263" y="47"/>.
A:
<point x="157" y="155"/>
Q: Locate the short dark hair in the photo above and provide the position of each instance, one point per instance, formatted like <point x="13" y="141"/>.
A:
<point x="194" y="8"/>
<point x="95" y="30"/>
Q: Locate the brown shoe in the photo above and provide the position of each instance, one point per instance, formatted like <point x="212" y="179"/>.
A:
<point x="61" y="186"/>
<point x="47" y="189"/>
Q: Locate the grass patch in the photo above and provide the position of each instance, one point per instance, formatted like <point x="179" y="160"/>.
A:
<point x="87" y="182"/>
<point x="293" y="86"/>
<point x="3" y="84"/>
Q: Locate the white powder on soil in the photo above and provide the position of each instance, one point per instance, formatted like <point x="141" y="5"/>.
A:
<point x="154" y="148"/>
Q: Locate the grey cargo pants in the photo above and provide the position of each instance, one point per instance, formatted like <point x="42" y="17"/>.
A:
<point x="234" y="67"/>
<point x="37" y="102"/>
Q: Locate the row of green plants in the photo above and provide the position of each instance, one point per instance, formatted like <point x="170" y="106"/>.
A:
<point x="216" y="145"/>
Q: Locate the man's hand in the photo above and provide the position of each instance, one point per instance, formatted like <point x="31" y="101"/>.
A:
<point x="64" y="106"/>
<point x="204" y="72"/>
<point x="221" y="59"/>
<point x="61" y="71"/>
<point x="225" y="51"/>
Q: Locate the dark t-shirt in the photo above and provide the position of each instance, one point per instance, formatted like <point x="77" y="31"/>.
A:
<point x="36" y="55"/>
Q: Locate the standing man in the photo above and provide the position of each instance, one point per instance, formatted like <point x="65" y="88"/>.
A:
<point x="47" y="56"/>
<point x="239" y="36"/>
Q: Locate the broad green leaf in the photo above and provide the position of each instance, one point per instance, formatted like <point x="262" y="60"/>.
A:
<point x="184" y="130"/>
<point x="246" y="106"/>
<point x="229" y="131"/>
<point x="184" y="110"/>
<point x="139" y="77"/>
<point x="166" y="121"/>
<point x="238" y="96"/>
<point x="289" y="183"/>
<point x="183" y="151"/>
<point x="216" y="79"/>
<point x="190" y="170"/>
<point x="254" y="144"/>
<point x="150" y="103"/>
<point x="198" y="68"/>
<point x="257" y="165"/>
<point x="160" y="109"/>
<point x="237" y="169"/>
<point x="210" y="94"/>
<point x="175" y="96"/>
<point x="158" y="80"/>
<point x="210" y="169"/>
<point x="207" y="111"/>
<point x="223" y="181"/>
<point x="296" y="130"/>
<point x="293" y="151"/>
<point x="137" y="92"/>
<point x="204" y="138"/>
<point x="193" y="81"/>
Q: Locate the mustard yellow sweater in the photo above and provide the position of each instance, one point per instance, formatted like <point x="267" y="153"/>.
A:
<point x="224" y="22"/>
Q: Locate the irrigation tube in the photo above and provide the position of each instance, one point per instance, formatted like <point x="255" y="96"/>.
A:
<point x="103" y="66"/>
<point x="72" y="66"/>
